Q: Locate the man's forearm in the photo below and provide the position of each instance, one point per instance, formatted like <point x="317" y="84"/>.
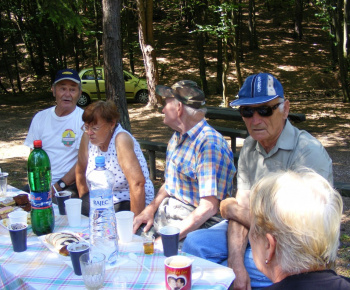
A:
<point x="207" y="208"/>
<point x="69" y="177"/>
<point x="237" y="240"/>
<point x="237" y="236"/>
<point x="155" y="203"/>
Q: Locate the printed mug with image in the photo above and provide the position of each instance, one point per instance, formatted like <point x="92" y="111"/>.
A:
<point x="178" y="273"/>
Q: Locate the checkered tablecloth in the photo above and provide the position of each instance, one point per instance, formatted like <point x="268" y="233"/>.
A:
<point x="40" y="268"/>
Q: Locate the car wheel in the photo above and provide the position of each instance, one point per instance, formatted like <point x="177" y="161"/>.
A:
<point x="142" y="96"/>
<point x="84" y="100"/>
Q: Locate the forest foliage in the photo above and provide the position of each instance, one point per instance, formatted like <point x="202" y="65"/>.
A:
<point x="37" y="38"/>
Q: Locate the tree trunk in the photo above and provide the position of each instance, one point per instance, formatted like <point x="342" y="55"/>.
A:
<point x="338" y="23"/>
<point x="236" y="43"/>
<point x="224" y="75"/>
<point x="97" y="45"/>
<point x="253" y="41"/>
<point x="199" y="18"/>
<point x="298" y="14"/>
<point x="96" y="80"/>
<point x="201" y="59"/>
<point x="112" y="55"/>
<point x="130" y="45"/>
<point x="145" y="28"/>
<point x="219" y="68"/>
<point x="346" y="93"/>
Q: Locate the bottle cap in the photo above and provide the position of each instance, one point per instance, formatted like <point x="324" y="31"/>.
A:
<point x="100" y="161"/>
<point x="38" y="144"/>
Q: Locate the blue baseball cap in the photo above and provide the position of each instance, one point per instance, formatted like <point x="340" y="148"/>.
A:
<point x="258" y="89"/>
<point x="67" y="74"/>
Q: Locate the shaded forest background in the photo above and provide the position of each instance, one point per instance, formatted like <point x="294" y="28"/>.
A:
<point x="39" y="37"/>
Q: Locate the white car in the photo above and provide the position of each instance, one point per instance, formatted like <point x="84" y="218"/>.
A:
<point x="135" y="88"/>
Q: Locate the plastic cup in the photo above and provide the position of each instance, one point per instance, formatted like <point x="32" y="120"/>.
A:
<point x="170" y="240"/>
<point x="93" y="266"/>
<point x="61" y="197"/>
<point x="18" y="234"/>
<point x="73" y="210"/>
<point x="18" y="216"/>
<point x="124" y="225"/>
<point x="75" y="251"/>
<point x="148" y="244"/>
<point x="3" y="183"/>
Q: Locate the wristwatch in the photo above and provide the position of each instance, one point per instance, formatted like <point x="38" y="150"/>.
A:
<point x="61" y="184"/>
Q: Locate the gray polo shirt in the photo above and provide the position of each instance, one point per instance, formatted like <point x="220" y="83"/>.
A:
<point x="294" y="149"/>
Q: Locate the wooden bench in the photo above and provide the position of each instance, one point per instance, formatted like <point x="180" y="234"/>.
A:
<point x="343" y="188"/>
<point x="233" y="134"/>
<point x="152" y="147"/>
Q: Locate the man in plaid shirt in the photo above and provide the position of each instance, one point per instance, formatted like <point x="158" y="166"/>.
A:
<point x="199" y="166"/>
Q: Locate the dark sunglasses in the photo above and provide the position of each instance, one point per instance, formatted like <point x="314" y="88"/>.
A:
<point x="263" y="111"/>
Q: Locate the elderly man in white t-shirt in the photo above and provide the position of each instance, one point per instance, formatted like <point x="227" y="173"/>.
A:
<point x="59" y="128"/>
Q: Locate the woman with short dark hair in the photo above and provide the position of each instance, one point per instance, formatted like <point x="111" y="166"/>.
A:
<point x="103" y="136"/>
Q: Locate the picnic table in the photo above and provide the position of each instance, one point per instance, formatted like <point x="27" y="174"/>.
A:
<point x="41" y="268"/>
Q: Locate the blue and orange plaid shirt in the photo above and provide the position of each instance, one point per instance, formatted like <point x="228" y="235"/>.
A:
<point x="199" y="164"/>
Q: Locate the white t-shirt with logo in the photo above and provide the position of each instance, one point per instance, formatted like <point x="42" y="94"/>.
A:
<point x="60" y="138"/>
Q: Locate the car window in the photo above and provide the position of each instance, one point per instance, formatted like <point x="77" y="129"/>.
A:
<point x="126" y="77"/>
<point x="89" y="75"/>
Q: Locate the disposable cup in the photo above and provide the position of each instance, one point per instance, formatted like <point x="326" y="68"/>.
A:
<point x="61" y="197"/>
<point x="18" y="234"/>
<point x="3" y="183"/>
<point x="148" y="244"/>
<point x="75" y="251"/>
<point x="170" y="240"/>
<point x="18" y="216"/>
<point x="73" y="210"/>
<point x="124" y="225"/>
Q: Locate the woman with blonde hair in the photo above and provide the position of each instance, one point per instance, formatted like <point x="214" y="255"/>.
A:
<point x="294" y="233"/>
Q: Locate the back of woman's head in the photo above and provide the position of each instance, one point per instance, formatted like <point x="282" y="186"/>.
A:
<point x="104" y="110"/>
<point x="302" y="211"/>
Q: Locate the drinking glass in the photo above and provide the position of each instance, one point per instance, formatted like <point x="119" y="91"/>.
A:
<point x="92" y="266"/>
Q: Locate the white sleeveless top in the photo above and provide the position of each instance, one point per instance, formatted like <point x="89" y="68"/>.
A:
<point x="121" y="186"/>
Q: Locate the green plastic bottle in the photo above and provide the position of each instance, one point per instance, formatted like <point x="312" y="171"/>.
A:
<point x="39" y="179"/>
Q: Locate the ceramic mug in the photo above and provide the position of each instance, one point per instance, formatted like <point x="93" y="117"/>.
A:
<point x="178" y="273"/>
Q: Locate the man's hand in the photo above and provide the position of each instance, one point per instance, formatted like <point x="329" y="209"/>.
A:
<point x="226" y="207"/>
<point x="242" y="280"/>
<point x="145" y="217"/>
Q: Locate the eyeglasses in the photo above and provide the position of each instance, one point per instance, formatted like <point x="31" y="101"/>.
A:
<point x="263" y="111"/>
<point x="86" y="128"/>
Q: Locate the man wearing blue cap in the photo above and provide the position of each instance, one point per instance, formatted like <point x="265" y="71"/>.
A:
<point x="273" y="145"/>
<point x="59" y="128"/>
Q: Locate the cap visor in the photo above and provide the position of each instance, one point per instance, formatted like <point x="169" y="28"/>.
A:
<point x="71" y="79"/>
<point x="252" y="101"/>
<point x="164" y="91"/>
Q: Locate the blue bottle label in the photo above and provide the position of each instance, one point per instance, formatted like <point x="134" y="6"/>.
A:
<point x="101" y="199"/>
<point x="40" y="200"/>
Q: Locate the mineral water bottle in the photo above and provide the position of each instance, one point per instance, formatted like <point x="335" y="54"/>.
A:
<point x="39" y="179"/>
<point x="103" y="232"/>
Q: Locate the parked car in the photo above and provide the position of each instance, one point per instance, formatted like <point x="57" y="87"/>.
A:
<point x="135" y="88"/>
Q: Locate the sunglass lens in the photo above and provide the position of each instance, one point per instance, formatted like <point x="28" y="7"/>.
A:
<point x="246" y="112"/>
<point x="264" y="111"/>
